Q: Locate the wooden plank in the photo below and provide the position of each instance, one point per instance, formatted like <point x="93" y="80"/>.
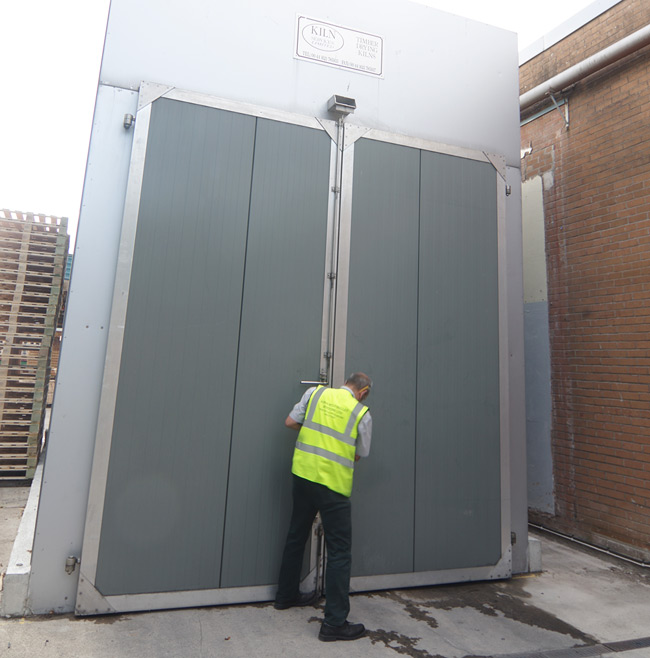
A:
<point x="13" y="271"/>
<point x="27" y="304"/>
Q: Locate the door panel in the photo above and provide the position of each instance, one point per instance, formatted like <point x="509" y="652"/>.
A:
<point x="382" y="340"/>
<point x="458" y="478"/>
<point x="423" y="321"/>
<point x="162" y="523"/>
<point x="279" y="343"/>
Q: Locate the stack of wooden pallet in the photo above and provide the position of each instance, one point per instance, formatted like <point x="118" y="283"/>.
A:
<point x="33" y="251"/>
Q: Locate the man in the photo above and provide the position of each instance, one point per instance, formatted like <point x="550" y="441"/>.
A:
<point x="334" y="432"/>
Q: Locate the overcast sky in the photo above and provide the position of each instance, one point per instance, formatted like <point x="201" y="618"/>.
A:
<point x="50" y="52"/>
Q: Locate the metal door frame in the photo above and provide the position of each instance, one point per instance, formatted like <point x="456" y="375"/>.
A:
<point x="89" y="600"/>
<point x="503" y="568"/>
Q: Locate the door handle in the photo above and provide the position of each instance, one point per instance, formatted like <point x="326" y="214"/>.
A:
<point x="318" y="383"/>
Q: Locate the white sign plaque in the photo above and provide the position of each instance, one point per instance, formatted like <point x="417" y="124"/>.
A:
<point x="325" y="43"/>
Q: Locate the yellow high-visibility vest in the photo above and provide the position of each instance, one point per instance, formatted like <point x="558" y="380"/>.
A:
<point x="326" y="444"/>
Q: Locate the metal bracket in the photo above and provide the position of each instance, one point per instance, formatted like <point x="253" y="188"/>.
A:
<point x="149" y="92"/>
<point x="503" y="568"/>
<point x="329" y="127"/>
<point x="354" y="133"/>
<point x="499" y="164"/>
<point x="89" y="600"/>
<point x="565" y="114"/>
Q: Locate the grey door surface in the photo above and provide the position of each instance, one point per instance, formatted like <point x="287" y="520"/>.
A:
<point x="223" y="321"/>
<point x="423" y="321"/>
<point x="382" y="340"/>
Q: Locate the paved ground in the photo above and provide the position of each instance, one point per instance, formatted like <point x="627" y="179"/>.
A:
<point x="582" y="604"/>
<point x="12" y="503"/>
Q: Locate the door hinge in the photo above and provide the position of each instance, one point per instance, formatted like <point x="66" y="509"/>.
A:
<point x="513" y="538"/>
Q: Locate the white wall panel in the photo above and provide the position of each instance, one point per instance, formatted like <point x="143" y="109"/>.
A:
<point x="446" y="78"/>
<point x="66" y="478"/>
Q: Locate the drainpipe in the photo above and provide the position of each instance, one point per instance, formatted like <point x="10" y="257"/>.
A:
<point x="600" y="60"/>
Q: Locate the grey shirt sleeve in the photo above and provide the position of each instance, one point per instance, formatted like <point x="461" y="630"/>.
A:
<point x="300" y="409"/>
<point x="365" y="435"/>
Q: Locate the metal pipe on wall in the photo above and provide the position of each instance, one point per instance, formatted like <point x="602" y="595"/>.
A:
<point x="575" y="540"/>
<point x="600" y="60"/>
<point x="326" y="376"/>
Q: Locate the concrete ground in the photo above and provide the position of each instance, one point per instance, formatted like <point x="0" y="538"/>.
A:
<point x="581" y="604"/>
<point x="12" y="504"/>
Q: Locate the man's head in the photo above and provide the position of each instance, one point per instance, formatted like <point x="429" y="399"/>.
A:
<point x="360" y="384"/>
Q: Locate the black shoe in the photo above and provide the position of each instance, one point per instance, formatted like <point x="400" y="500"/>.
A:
<point x="302" y="600"/>
<point x="346" y="632"/>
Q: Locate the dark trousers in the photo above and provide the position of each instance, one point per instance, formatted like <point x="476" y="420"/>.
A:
<point x="309" y="498"/>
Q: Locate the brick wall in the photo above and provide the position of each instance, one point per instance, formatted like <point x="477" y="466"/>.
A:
<point x="621" y="20"/>
<point x="597" y="216"/>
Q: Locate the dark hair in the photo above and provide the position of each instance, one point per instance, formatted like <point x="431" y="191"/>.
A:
<point x="359" y="380"/>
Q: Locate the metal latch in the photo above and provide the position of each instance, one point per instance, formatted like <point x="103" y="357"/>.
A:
<point x="71" y="564"/>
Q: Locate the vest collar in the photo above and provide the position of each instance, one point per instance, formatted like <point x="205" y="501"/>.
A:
<point x="349" y="390"/>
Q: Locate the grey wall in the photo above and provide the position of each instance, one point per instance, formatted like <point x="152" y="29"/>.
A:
<point x="537" y="348"/>
<point x="538" y="408"/>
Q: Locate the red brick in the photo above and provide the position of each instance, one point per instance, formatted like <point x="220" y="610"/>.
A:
<point x="597" y="215"/>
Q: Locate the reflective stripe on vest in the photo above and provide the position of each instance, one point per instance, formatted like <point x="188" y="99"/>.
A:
<point x="326" y="445"/>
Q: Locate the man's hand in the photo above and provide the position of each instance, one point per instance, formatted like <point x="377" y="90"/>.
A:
<point x="291" y="423"/>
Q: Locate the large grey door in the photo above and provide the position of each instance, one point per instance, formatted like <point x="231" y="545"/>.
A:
<point x="223" y="321"/>
<point x="423" y="319"/>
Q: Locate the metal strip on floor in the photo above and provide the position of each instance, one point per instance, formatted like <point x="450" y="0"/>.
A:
<point x="628" y="645"/>
<point x="583" y="652"/>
